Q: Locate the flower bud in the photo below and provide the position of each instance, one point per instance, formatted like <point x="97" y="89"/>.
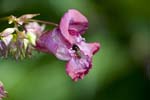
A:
<point x="31" y="37"/>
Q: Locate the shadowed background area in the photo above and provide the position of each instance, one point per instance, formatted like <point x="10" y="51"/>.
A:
<point x="121" y="69"/>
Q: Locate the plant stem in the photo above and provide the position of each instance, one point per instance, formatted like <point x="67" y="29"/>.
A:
<point x="44" y="22"/>
<point x="4" y="18"/>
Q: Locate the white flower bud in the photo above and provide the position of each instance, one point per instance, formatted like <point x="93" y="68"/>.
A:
<point x="31" y="37"/>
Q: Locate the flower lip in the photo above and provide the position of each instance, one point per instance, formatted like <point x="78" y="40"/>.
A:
<point x="78" y="68"/>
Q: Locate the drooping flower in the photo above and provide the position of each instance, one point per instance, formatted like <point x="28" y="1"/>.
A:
<point x="3" y="93"/>
<point x="66" y="43"/>
<point x="34" y="27"/>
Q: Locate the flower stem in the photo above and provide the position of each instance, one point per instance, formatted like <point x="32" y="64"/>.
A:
<point x="44" y="22"/>
<point x="4" y="18"/>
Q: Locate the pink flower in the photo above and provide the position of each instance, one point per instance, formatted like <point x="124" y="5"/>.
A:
<point x="66" y="43"/>
<point x="3" y="93"/>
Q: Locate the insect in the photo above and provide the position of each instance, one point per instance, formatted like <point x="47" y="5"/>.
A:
<point x="77" y="50"/>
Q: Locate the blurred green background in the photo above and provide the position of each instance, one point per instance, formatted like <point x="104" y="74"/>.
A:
<point x="121" y="70"/>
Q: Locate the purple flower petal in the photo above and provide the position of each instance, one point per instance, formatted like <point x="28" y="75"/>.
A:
<point x="52" y="42"/>
<point x="72" y="24"/>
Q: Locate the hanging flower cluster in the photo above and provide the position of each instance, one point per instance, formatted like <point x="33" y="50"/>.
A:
<point x="64" y="41"/>
<point x="3" y="93"/>
<point x="19" y="41"/>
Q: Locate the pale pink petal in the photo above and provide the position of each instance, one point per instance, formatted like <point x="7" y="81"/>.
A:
<point x="28" y="16"/>
<point x="7" y="32"/>
<point x="89" y="48"/>
<point x="35" y="28"/>
<point x="6" y="35"/>
<point x="22" y="19"/>
<point x="7" y="39"/>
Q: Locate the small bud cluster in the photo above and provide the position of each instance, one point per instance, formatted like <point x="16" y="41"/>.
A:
<point x="19" y="41"/>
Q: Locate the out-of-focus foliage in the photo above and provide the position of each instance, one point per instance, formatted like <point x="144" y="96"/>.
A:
<point x="120" y="70"/>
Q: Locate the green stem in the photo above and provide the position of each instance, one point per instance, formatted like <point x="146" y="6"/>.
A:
<point x="4" y="18"/>
<point x="44" y="22"/>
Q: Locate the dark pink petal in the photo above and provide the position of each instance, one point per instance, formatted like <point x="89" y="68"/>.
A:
<point x="52" y="42"/>
<point x="77" y="68"/>
<point x="81" y="60"/>
<point x="72" y="24"/>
